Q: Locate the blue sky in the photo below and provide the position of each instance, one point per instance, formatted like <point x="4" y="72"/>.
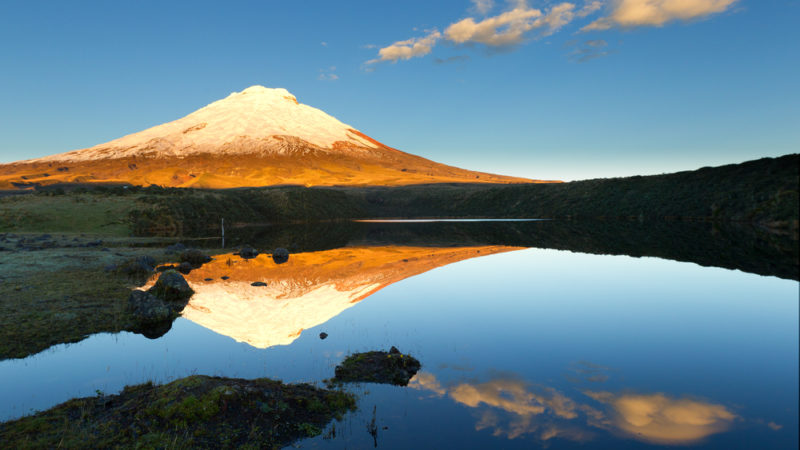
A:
<point x="558" y="92"/>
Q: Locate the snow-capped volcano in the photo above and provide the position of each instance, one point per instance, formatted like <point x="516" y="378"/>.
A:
<point x="257" y="114"/>
<point x="257" y="137"/>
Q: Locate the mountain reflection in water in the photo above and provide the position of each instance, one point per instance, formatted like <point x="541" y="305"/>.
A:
<point x="681" y="354"/>
<point x="306" y="291"/>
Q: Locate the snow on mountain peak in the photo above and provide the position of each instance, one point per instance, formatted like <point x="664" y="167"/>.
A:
<point x="267" y="94"/>
<point x="256" y="114"/>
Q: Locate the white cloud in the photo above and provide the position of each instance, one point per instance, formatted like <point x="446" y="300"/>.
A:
<point x="482" y="6"/>
<point x="410" y="48"/>
<point x="558" y="16"/>
<point x="510" y="27"/>
<point x="504" y="29"/>
<point x="520" y="22"/>
<point x="596" y="43"/>
<point x="636" y="13"/>
<point x="589" y="8"/>
<point x="328" y="74"/>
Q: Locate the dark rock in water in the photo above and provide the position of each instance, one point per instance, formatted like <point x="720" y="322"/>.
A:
<point x="175" y="248"/>
<point x="280" y="255"/>
<point x="323" y="335"/>
<point x="258" y="284"/>
<point x="97" y="243"/>
<point x="184" y="268"/>
<point x="390" y="367"/>
<point x="224" y="277"/>
<point x="154" y="330"/>
<point x="105" y="249"/>
<point x="208" y="279"/>
<point x="148" y="309"/>
<point x="195" y="257"/>
<point x="171" y="287"/>
<point x="248" y="252"/>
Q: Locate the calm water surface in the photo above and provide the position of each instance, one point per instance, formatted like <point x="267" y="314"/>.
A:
<point x="521" y="347"/>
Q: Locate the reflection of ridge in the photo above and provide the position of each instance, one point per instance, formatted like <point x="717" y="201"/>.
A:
<point x="308" y="290"/>
<point x="731" y="246"/>
<point x="511" y="408"/>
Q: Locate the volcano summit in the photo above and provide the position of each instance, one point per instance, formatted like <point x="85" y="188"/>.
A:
<point x="257" y="137"/>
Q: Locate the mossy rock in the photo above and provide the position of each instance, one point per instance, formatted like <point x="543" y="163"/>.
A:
<point x="148" y="309"/>
<point x="171" y="287"/>
<point x="197" y="411"/>
<point x="390" y="367"/>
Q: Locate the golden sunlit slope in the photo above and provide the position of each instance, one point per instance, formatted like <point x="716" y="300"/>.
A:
<point x="308" y="290"/>
<point x="257" y="137"/>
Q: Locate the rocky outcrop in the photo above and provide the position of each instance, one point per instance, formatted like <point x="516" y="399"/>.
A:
<point x="147" y="309"/>
<point x="390" y="367"/>
<point x="172" y="287"/>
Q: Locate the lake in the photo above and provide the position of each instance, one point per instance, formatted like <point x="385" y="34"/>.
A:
<point x="531" y="334"/>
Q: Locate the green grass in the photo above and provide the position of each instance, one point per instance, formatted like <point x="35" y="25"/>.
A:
<point x="193" y="412"/>
<point x="62" y="295"/>
<point x="74" y="213"/>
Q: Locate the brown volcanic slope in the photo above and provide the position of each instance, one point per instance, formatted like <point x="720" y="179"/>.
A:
<point x="257" y="137"/>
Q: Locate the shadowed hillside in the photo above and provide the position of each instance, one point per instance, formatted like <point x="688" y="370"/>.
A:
<point x="763" y="191"/>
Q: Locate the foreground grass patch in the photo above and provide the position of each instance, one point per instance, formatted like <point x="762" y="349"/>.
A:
<point x="193" y="412"/>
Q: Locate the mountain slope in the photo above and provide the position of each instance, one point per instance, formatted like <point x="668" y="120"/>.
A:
<point x="257" y="137"/>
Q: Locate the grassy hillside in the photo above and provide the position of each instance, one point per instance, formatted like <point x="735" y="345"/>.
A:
<point x="763" y="191"/>
<point x="77" y="213"/>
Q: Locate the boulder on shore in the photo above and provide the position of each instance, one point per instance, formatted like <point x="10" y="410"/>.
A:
<point x="171" y="287"/>
<point x="184" y="268"/>
<point x="139" y="266"/>
<point x="280" y="255"/>
<point x="248" y="252"/>
<point x="148" y="309"/>
<point x="195" y="257"/>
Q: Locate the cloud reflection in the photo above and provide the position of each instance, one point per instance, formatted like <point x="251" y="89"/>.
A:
<point x="660" y="419"/>
<point x="513" y="408"/>
<point x="510" y="407"/>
